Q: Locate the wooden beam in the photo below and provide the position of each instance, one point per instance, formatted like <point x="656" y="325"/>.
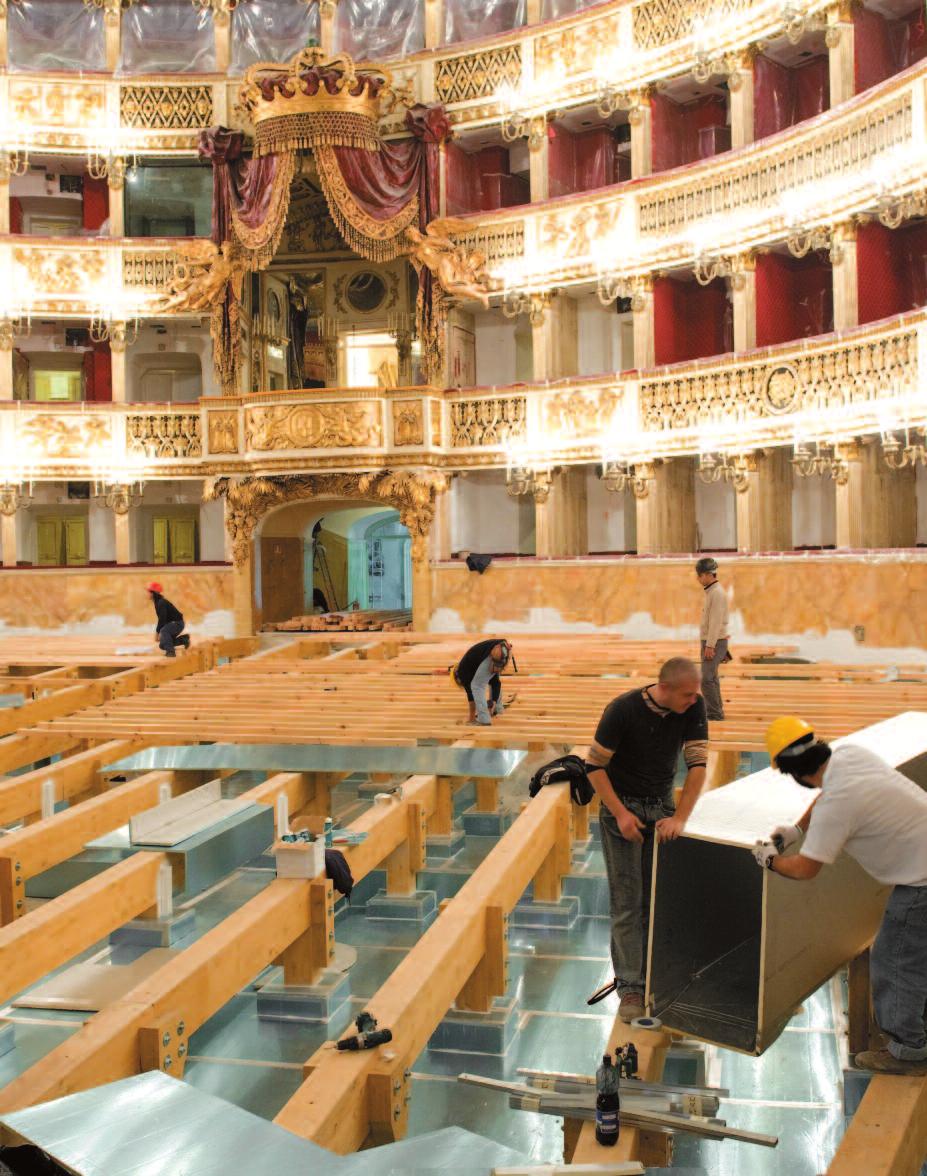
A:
<point x="58" y="930"/>
<point x="652" y="1148"/>
<point x="62" y="702"/>
<point x="336" y="1107"/>
<point x="38" y="847"/>
<point x="20" y="796"/>
<point x="16" y="751"/>
<point x="888" y="1134"/>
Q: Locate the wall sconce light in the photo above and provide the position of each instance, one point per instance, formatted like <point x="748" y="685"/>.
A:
<point x="15" y="323"/>
<point x="14" y="161"/>
<point x="621" y="476"/>
<point x="824" y="460"/>
<point x="534" y="305"/>
<point x="105" y="327"/>
<point x="724" y="467"/>
<point x="892" y="210"/>
<point x="14" y="494"/>
<point x="707" y="268"/>
<point x="899" y="454"/>
<point x="521" y="480"/>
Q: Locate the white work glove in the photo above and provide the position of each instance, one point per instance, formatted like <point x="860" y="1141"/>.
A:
<point x="763" y="854"/>
<point x="785" y="836"/>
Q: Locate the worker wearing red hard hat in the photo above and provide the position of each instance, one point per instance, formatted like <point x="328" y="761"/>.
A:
<point x="170" y="622"/>
<point x="879" y="817"/>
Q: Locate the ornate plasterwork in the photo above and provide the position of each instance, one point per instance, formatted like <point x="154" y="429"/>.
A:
<point x="488" y="421"/>
<point x="327" y="425"/>
<point x="496" y="242"/>
<point x="202" y="273"/>
<point x="573" y="48"/>
<point x="164" y="435"/>
<point x="660" y="22"/>
<point x="571" y="234"/>
<point x="222" y="431"/>
<point x="157" y="107"/>
<point x="847" y="147"/>
<point x="460" y="271"/>
<point x="56" y="103"/>
<point x="830" y="376"/>
<point x="408" y="423"/>
<point x="149" y="269"/>
<point x="61" y="271"/>
<point x="571" y="415"/>
<point x="74" y="437"/>
<point x="248" y="499"/>
<point x="467" y="76"/>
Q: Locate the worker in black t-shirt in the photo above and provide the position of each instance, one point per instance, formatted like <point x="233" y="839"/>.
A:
<point x="478" y="672"/>
<point x="169" y="624"/>
<point x="631" y="765"/>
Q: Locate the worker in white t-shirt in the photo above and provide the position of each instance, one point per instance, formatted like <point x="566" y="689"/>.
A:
<point x="880" y="818"/>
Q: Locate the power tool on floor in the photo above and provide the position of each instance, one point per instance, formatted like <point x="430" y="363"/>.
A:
<point x="368" y="1036"/>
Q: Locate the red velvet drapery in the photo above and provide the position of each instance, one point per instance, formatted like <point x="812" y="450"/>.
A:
<point x="373" y="196"/>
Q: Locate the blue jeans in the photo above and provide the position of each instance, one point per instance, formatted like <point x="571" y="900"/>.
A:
<point x="167" y="638"/>
<point x="629" y="866"/>
<point x="898" y="973"/>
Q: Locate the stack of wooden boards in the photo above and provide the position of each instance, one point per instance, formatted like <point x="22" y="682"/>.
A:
<point x="362" y="620"/>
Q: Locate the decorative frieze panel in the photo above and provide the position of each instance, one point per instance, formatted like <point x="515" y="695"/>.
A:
<point x="488" y="422"/>
<point x="576" y="47"/>
<point x="56" y="436"/>
<point x="569" y="416"/>
<point x="222" y="431"/>
<point x="149" y="107"/>
<point x="164" y="435"/>
<point x="73" y="273"/>
<point x="477" y="75"/>
<point x="847" y="148"/>
<point x="497" y="243"/>
<point x="148" y="269"/>
<point x="831" y="376"/>
<point x="37" y="103"/>
<point x="327" y="425"/>
<point x="660" y="22"/>
<point x="408" y="423"/>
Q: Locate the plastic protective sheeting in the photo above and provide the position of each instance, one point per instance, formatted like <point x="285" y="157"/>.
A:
<point x="553" y="9"/>
<point x="55" y="34"/>
<point x="371" y="29"/>
<point x="271" y="30"/>
<point x="167" y="36"/>
<point x="466" y="20"/>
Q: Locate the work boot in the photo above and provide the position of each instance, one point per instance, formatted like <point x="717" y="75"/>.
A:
<point x="601" y="993"/>
<point x="169" y="653"/>
<point x="631" y="1006"/>
<point x="883" y="1061"/>
<point x="184" y="640"/>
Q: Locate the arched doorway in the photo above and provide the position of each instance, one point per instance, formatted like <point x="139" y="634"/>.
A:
<point x="318" y="556"/>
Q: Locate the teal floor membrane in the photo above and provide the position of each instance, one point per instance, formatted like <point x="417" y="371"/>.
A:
<point x="793" y="1091"/>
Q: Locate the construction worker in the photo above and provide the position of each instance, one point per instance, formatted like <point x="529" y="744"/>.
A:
<point x="478" y="672"/>
<point x="170" y="622"/>
<point x="714" y="635"/>
<point x="880" y="818"/>
<point x="631" y="765"/>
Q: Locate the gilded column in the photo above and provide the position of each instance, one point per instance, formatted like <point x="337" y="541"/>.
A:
<point x="4" y="202"/>
<point x="7" y="382"/>
<point x="243" y="592"/>
<point x="666" y="507"/>
<point x="117" y="352"/>
<point x="876" y="506"/>
<point x="641" y="120"/>
<point x="554" y="337"/>
<point x="840" y="39"/>
<point x="8" y="534"/>
<point x="538" y="158"/>
<point x="743" y="290"/>
<point x="421" y="583"/>
<point x="764" y="501"/>
<point x="327" y="12"/>
<point x="3" y="36"/>
<point x="845" y="276"/>
<point x="434" y="23"/>
<point x="642" y="323"/>
<point x="561" y="525"/>
<point x="740" y="88"/>
<point x="222" y="32"/>
<point x="122" y="517"/>
<point x="112" y="25"/>
<point x="116" y="184"/>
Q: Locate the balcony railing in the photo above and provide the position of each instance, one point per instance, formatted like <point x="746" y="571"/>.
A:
<point x="829" y="389"/>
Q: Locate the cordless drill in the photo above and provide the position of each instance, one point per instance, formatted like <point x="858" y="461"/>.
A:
<point x="368" y="1036"/>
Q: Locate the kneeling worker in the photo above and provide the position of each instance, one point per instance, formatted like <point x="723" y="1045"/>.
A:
<point x="478" y="672"/>
<point x="169" y="623"/>
<point x="880" y="818"/>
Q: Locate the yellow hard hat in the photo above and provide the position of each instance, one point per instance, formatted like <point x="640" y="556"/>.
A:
<point x="785" y="731"/>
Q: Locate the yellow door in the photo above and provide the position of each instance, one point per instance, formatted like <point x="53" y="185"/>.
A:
<point x="48" y="542"/>
<point x="183" y="541"/>
<point x="75" y="541"/>
<point x="160" y="555"/>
